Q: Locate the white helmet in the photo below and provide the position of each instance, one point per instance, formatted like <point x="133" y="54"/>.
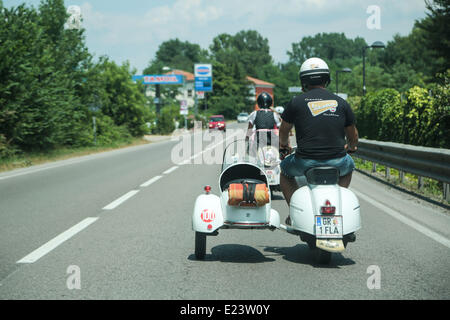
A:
<point x="314" y="71"/>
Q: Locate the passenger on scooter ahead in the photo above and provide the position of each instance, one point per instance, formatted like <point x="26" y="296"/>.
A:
<point x="322" y="120"/>
<point x="264" y="118"/>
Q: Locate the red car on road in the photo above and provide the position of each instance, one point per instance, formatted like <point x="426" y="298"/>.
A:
<point x="217" y="122"/>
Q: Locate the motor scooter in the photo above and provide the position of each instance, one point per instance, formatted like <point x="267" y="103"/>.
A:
<point x="324" y="215"/>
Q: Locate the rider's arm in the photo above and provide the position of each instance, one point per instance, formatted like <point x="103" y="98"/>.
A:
<point x="352" y="137"/>
<point x="285" y="128"/>
<point x="251" y="119"/>
<point x="249" y="130"/>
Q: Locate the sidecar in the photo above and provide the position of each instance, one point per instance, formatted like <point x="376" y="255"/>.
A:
<point x="243" y="201"/>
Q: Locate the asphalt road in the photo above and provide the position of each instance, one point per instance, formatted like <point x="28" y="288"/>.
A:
<point x="122" y="221"/>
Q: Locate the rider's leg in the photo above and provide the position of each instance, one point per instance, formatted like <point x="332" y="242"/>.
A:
<point x="344" y="181"/>
<point x="288" y="186"/>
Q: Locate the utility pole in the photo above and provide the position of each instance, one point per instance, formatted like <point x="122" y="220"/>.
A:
<point x="158" y="98"/>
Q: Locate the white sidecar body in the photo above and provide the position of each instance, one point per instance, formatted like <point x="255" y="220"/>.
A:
<point x="212" y="212"/>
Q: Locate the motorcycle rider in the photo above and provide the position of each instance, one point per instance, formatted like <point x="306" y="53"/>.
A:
<point x="322" y="120"/>
<point x="264" y="118"/>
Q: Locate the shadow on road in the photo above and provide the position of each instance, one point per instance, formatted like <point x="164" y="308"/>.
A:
<point x="235" y="253"/>
<point x="301" y="253"/>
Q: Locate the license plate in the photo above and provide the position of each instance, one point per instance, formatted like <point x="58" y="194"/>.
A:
<point x="328" y="226"/>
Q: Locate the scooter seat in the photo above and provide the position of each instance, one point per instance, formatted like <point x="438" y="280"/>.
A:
<point x="322" y="175"/>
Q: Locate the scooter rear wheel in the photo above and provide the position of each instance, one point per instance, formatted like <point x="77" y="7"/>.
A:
<point x="200" y="245"/>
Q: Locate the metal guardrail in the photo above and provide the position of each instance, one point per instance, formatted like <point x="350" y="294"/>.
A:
<point x="427" y="162"/>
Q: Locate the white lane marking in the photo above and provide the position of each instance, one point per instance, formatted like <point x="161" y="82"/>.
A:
<point x="55" y="242"/>
<point x="121" y="200"/>
<point x="149" y="182"/>
<point x="424" y="230"/>
<point x="170" y="170"/>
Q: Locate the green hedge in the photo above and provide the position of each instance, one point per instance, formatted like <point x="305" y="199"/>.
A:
<point x="419" y="116"/>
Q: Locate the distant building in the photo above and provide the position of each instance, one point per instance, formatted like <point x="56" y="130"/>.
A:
<point x="257" y="86"/>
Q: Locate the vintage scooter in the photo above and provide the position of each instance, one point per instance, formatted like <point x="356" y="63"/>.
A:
<point x="247" y="207"/>
<point x="324" y="215"/>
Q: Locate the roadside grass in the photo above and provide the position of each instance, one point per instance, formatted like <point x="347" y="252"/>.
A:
<point x="34" y="158"/>
<point x="430" y="188"/>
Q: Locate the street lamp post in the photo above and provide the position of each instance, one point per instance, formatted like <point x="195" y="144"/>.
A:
<point x="346" y="70"/>
<point x="375" y="45"/>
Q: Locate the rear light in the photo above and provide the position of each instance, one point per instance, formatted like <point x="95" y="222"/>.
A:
<point x="328" y="208"/>
<point x="207" y="189"/>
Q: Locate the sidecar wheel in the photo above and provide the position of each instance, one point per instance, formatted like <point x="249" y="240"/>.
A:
<point x="322" y="256"/>
<point x="200" y="245"/>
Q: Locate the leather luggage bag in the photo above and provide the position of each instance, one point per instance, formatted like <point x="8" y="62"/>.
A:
<point x="248" y="194"/>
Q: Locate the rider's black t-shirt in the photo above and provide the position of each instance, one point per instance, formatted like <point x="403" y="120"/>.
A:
<point x="319" y="117"/>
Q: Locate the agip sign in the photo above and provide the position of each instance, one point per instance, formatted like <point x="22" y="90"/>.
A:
<point x="160" y="79"/>
<point x="203" y="77"/>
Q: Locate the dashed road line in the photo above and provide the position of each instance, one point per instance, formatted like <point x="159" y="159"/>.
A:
<point x="120" y="200"/>
<point x="55" y="242"/>
<point x="151" y="181"/>
<point x="170" y="170"/>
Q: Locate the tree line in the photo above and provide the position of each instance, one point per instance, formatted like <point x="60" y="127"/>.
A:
<point x="51" y="86"/>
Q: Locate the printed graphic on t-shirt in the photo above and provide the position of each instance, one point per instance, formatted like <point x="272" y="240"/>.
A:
<point x="319" y="107"/>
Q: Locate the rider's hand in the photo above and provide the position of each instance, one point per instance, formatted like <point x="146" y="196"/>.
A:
<point x="350" y="149"/>
<point x="285" y="151"/>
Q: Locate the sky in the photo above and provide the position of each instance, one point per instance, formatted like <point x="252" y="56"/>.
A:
<point x="134" y="29"/>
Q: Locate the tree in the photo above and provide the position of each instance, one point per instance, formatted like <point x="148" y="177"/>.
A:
<point x="121" y="99"/>
<point x="176" y="54"/>
<point x="39" y="108"/>
<point x="437" y="36"/>
<point x="231" y="91"/>
<point x="335" y="48"/>
<point x="247" y="47"/>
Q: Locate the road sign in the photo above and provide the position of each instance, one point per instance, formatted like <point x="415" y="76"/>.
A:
<point x="160" y="79"/>
<point x="203" y="77"/>
<point x="295" y="89"/>
<point x="200" y="95"/>
<point x="184" y="110"/>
